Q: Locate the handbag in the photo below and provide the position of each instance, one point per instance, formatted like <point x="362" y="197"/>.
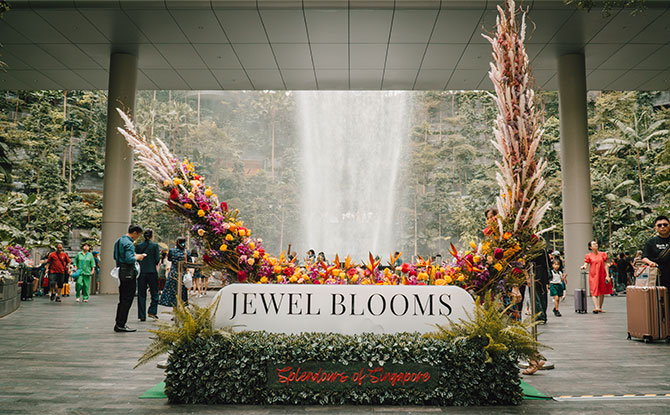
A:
<point x="188" y="280"/>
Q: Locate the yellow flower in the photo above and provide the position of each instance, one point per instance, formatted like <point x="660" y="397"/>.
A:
<point x="166" y="183"/>
<point x="461" y="277"/>
<point x="354" y="278"/>
<point x="498" y="267"/>
<point x="476" y="259"/>
<point x="201" y="232"/>
<point x="251" y="261"/>
<point x="229" y="237"/>
<point x="440" y="282"/>
<point x="252" y="245"/>
<point x="201" y="213"/>
<point x="256" y="254"/>
<point x="473" y="245"/>
<point x="507" y="235"/>
<point x="191" y="196"/>
<point x="273" y="261"/>
<point x="447" y="279"/>
<point x="422" y="276"/>
<point x="277" y="269"/>
<point x="293" y="278"/>
<point x="223" y="247"/>
<point x="336" y="272"/>
<point x="280" y="278"/>
<point x="264" y="280"/>
<point x="208" y="192"/>
<point x="188" y="205"/>
<point x="177" y="182"/>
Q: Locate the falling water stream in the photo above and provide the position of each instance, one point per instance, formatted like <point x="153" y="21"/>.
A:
<point x="352" y="144"/>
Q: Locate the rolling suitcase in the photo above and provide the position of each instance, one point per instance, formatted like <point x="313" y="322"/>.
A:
<point x="648" y="313"/>
<point x="27" y="288"/>
<point x="580" y="296"/>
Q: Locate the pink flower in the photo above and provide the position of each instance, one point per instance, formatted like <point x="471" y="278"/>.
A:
<point x="498" y="253"/>
<point x="241" y="276"/>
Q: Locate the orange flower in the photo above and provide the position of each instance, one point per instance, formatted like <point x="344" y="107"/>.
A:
<point x="507" y="235"/>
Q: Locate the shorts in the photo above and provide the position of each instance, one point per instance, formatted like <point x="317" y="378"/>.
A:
<point x="56" y="280"/>
<point x="556" y="290"/>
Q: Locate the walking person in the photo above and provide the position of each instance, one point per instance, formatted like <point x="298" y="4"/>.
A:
<point x="556" y="285"/>
<point x="95" y="281"/>
<point x="148" y="277"/>
<point x="657" y="251"/>
<point x="85" y="264"/>
<point x="600" y="283"/>
<point x="177" y="254"/>
<point x="126" y="258"/>
<point x="57" y="264"/>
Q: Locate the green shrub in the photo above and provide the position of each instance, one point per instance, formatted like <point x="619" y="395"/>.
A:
<point x="232" y="369"/>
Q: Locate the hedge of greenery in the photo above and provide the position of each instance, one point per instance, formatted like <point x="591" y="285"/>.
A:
<point x="232" y="369"/>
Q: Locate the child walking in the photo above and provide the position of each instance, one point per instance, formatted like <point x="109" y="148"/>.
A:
<point x="556" y="285"/>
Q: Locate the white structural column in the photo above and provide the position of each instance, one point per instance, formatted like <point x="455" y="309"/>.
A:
<point x="575" y="169"/>
<point x="118" y="185"/>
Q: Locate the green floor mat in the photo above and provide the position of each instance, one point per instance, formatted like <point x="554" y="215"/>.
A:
<point x="157" y="392"/>
<point x="529" y="392"/>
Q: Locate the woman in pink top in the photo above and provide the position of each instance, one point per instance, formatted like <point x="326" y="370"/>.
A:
<point x="599" y="280"/>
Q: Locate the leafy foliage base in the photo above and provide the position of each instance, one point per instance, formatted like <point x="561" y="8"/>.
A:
<point x="225" y="369"/>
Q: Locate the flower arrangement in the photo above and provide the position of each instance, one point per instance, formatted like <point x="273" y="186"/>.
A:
<point x="10" y="253"/>
<point x="495" y="264"/>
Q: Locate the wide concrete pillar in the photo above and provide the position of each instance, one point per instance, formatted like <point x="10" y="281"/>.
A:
<point x="575" y="168"/>
<point x="118" y="185"/>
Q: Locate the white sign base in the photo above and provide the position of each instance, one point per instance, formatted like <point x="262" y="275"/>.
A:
<point x="345" y="309"/>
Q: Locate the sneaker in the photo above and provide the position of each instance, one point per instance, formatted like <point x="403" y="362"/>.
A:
<point x="58" y="299"/>
<point x="557" y="313"/>
<point x="155" y="317"/>
<point x="53" y="296"/>
<point x="78" y="299"/>
<point x="86" y="301"/>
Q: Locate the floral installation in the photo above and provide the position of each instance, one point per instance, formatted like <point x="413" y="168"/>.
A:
<point x="511" y="239"/>
<point x="15" y="253"/>
<point x="508" y="242"/>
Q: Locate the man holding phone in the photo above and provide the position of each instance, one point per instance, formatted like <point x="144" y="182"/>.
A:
<point x="126" y="258"/>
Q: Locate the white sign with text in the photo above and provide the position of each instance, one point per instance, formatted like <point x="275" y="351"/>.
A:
<point x="345" y="309"/>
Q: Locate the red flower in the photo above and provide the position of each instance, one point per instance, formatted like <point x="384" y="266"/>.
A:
<point x="204" y="206"/>
<point x="498" y="254"/>
<point x="412" y="272"/>
<point x="261" y="251"/>
<point x="487" y="231"/>
<point x="174" y="193"/>
<point x="288" y="271"/>
<point x="197" y="177"/>
<point x="351" y="272"/>
<point x="224" y="206"/>
<point x="405" y="268"/>
<point x="517" y="270"/>
<point x="241" y="276"/>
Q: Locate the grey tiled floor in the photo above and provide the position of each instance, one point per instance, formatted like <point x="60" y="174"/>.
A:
<point x="65" y="358"/>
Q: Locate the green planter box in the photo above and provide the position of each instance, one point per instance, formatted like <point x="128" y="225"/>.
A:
<point x="330" y="369"/>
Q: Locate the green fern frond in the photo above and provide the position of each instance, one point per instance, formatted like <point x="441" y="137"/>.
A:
<point x="190" y="322"/>
<point x="492" y="323"/>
